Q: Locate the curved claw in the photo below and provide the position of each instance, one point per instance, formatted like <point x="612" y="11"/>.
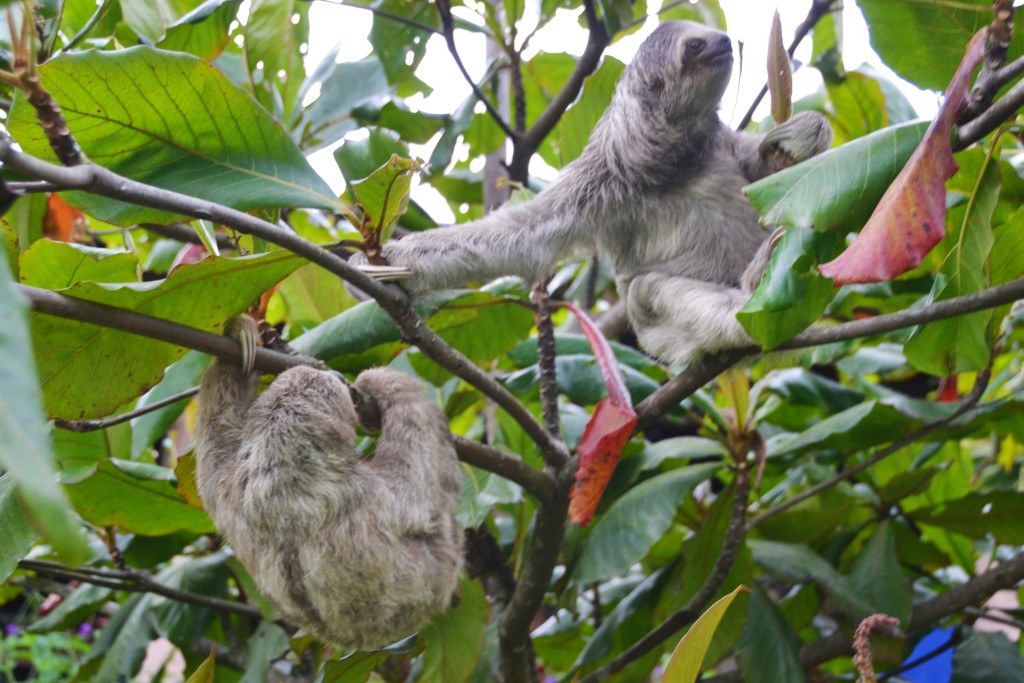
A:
<point x="244" y="330"/>
<point x="385" y="273"/>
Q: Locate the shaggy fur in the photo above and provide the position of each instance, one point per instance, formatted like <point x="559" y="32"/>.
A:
<point x="657" y="190"/>
<point x="361" y="552"/>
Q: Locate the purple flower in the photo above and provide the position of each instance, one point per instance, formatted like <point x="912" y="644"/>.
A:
<point x="10" y="629"/>
<point x="84" y="630"/>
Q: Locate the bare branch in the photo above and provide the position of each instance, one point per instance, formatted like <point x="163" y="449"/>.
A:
<point x="504" y="465"/>
<point x="445" y="11"/>
<point x="1004" y="109"/>
<point x="133" y="581"/>
<point x="525" y="147"/>
<point x="546" y="359"/>
<point x="96" y="425"/>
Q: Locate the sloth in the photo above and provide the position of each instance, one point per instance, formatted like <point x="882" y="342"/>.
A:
<point x="359" y="551"/>
<point x="657" y="190"/>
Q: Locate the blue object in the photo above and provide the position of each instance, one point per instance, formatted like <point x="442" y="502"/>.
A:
<point x="938" y="669"/>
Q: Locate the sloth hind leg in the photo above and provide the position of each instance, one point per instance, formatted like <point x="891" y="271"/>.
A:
<point x="676" y="319"/>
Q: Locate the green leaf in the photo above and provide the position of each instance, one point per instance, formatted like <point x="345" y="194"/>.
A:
<point x="27" y="453"/>
<point x="384" y="194"/>
<point x="180" y="622"/>
<point x="877" y="577"/>
<point x="267" y="644"/>
<point x="206" y="671"/>
<point x="89" y="371"/>
<point x="798" y="563"/>
<point x="768" y="650"/>
<point x="978" y="515"/>
<point x="454" y="639"/>
<point x="924" y="41"/>
<point x="859" y="106"/>
<point x="684" y="664"/>
<point x="355" y="668"/>
<point x="273" y="49"/>
<point x="56" y="265"/>
<point x="308" y="297"/>
<point x="985" y="657"/>
<point x="623" y="535"/>
<point x="963" y="343"/>
<point x="204" y="31"/>
<point x="179" y="376"/>
<point x="120" y="493"/>
<point x="575" y="127"/>
<point x="173" y="121"/>
<point x="349" y="85"/>
<point x="400" y="46"/>
<point x="146" y="18"/>
<point x="15" y="528"/>
<point x="793" y="294"/>
<point x="836" y="190"/>
<point x="79" y="604"/>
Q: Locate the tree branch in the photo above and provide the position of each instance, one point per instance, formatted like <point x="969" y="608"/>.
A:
<point x="1005" y="108"/>
<point x="818" y="9"/>
<point x="525" y="147"/>
<point x="135" y="582"/>
<point x="393" y="300"/>
<point x="548" y="375"/>
<point x="444" y="10"/>
<point x="81" y="426"/>
<point x="695" y="606"/>
<point x="535" y="481"/>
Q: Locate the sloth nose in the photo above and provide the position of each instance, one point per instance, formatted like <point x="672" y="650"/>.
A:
<point x="721" y="44"/>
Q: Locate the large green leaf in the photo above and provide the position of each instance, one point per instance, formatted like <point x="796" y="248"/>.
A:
<point x="978" y="515"/>
<point x="135" y="498"/>
<point x="204" y="31"/>
<point x="575" y="127"/>
<point x="984" y="657"/>
<point x="15" y="528"/>
<point x="877" y="577"/>
<point x="924" y="41"/>
<point x="454" y="639"/>
<point x="89" y="371"/>
<point x="768" y="650"/>
<point x="182" y="375"/>
<point x="27" y="454"/>
<point x="839" y="189"/>
<point x="963" y="343"/>
<point x="173" y="121"/>
<point x="55" y="265"/>
<point x="623" y="535"/>
<point x="275" y="33"/>
<point x="793" y="294"/>
<point x="684" y="664"/>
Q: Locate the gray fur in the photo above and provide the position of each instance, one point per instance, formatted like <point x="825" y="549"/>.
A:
<point x="359" y="551"/>
<point x="657" y="190"/>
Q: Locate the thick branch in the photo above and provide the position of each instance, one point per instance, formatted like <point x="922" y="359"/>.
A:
<point x="504" y="465"/>
<point x="393" y="300"/>
<point x="135" y="582"/>
<point x="1007" y="107"/>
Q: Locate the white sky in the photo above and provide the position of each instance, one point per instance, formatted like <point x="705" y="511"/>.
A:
<point x="748" y="21"/>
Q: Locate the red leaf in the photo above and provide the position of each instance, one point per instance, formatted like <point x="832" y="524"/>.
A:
<point x="604" y="437"/>
<point x="909" y="219"/>
<point x="607" y="431"/>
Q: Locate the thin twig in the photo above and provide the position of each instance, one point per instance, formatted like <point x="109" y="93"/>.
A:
<point x="133" y="581"/>
<point x="95" y="425"/>
<point x="418" y="25"/>
<point x="1003" y="109"/>
<point x="445" y="11"/>
<point x="504" y="465"/>
<point x="734" y="536"/>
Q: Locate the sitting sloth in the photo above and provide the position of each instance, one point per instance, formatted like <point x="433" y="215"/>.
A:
<point x="657" y="190"/>
<point x="359" y="551"/>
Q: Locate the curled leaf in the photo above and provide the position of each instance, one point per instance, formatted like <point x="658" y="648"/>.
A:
<point x="908" y="220"/>
<point x="607" y="431"/>
<point x="780" y="73"/>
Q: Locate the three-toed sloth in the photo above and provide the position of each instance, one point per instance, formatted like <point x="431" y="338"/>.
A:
<point x="658" y="190"/>
<point x="360" y="551"/>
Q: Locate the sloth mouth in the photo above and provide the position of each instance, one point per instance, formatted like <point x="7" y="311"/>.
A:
<point x="720" y="56"/>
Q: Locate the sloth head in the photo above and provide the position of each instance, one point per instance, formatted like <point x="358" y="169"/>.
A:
<point x="682" y="69"/>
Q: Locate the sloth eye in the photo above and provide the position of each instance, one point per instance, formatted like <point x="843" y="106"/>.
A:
<point x="695" y="45"/>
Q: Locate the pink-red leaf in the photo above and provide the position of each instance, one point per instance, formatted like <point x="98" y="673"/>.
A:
<point x="607" y="431"/>
<point x="604" y="437"/>
<point x="908" y="220"/>
<point x="780" y="73"/>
